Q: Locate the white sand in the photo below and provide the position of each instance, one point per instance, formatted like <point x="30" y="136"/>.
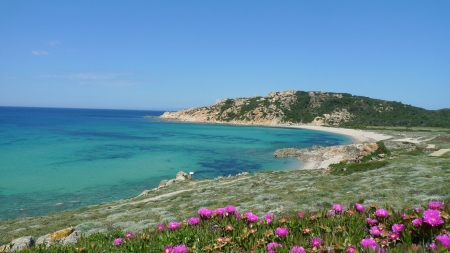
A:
<point x="359" y="136"/>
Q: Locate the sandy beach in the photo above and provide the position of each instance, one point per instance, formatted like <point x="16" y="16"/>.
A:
<point x="359" y="137"/>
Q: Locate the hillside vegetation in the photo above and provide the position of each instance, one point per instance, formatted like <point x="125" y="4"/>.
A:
<point x="317" y="108"/>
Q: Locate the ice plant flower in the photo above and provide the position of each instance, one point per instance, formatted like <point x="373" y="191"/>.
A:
<point x="251" y="217"/>
<point x="281" y="232"/>
<point x="118" y="241"/>
<point x="160" y="227"/>
<point x="397" y="227"/>
<point x="331" y="213"/>
<point x="435" y="205"/>
<point x="237" y="215"/>
<point x="369" y="242"/>
<point x="179" y="249"/>
<point x="338" y="208"/>
<point x="417" y="222"/>
<point x="316" y="241"/>
<point x="444" y="239"/>
<point x="382" y="213"/>
<point x="394" y="236"/>
<point x="351" y="249"/>
<point x="272" y="245"/>
<point x="220" y="211"/>
<point x="230" y="209"/>
<point x="193" y="220"/>
<point x="301" y="215"/>
<point x="129" y="235"/>
<point x="432" y="217"/>
<point x="359" y="207"/>
<point x="205" y="212"/>
<point x="297" y="249"/>
<point x="168" y="249"/>
<point x="371" y="222"/>
<point x="173" y="225"/>
<point x="375" y="231"/>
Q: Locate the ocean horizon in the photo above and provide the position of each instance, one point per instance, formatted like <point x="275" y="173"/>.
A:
<point x="55" y="159"/>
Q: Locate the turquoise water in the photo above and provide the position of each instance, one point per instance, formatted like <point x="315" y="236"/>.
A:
<point x="58" y="159"/>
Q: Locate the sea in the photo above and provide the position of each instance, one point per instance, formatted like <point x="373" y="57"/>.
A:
<point x="54" y="159"/>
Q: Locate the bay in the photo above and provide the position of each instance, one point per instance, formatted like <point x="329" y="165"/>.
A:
<point x="54" y="159"/>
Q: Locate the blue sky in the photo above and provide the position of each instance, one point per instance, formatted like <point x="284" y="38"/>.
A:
<point x="167" y="55"/>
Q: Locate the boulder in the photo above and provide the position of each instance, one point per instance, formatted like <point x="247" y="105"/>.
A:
<point x="162" y="183"/>
<point x="181" y="176"/>
<point x="57" y="237"/>
<point x="18" y="244"/>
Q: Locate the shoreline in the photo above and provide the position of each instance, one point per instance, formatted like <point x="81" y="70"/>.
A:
<point x="358" y="136"/>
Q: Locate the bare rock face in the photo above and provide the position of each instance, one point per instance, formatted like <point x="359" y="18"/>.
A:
<point x="181" y="176"/>
<point x="18" y="244"/>
<point x="63" y="236"/>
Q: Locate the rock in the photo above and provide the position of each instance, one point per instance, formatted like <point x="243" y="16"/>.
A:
<point x="72" y="238"/>
<point x="55" y="237"/>
<point x="162" y="183"/>
<point x="145" y="192"/>
<point x="169" y="182"/>
<point x="381" y="155"/>
<point x="18" y="244"/>
<point x="181" y="176"/>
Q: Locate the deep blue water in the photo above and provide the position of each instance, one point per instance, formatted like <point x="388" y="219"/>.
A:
<point x="56" y="159"/>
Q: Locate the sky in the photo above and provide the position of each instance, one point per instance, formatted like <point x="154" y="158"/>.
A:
<point x="170" y="55"/>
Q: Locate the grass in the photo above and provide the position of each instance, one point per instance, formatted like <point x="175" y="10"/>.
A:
<point x="330" y="229"/>
<point x="405" y="181"/>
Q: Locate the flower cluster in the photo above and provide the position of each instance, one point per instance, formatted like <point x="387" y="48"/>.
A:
<point x="384" y="230"/>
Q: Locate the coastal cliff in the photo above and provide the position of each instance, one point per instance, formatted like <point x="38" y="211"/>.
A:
<point x="312" y="108"/>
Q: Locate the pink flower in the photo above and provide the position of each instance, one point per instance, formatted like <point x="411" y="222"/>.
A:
<point x="168" y="249"/>
<point x="397" y="227"/>
<point x="129" y="235"/>
<point x="371" y="222"/>
<point x="251" y="217"/>
<point x="297" y="249"/>
<point x="271" y="246"/>
<point x="205" y="212"/>
<point x="160" y="227"/>
<point x="432" y="245"/>
<point x="237" y="215"/>
<point x="359" y="207"/>
<point x="230" y="209"/>
<point x="416" y="209"/>
<point x="375" y="231"/>
<point x="382" y="213"/>
<point x="444" y="239"/>
<point x="270" y="216"/>
<point x="220" y="211"/>
<point x="193" y="220"/>
<point x="316" y="241"/>
<point x="369" y="242"/>
<point x="394" y="236"/>
<point x="331" y="213"/>
<point x="417" y="222"/>
<point x="118" y="241"/>
<point x="301" y="215"/>
<point x="351" y="249"/>
<point x="338" y="208"/>
<point x="173" y="225"/>
<point x="180" y="249"/>
<point x="432" y="217"/>
<point x="435" y="205"/>
<point x="281" y="232"/>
